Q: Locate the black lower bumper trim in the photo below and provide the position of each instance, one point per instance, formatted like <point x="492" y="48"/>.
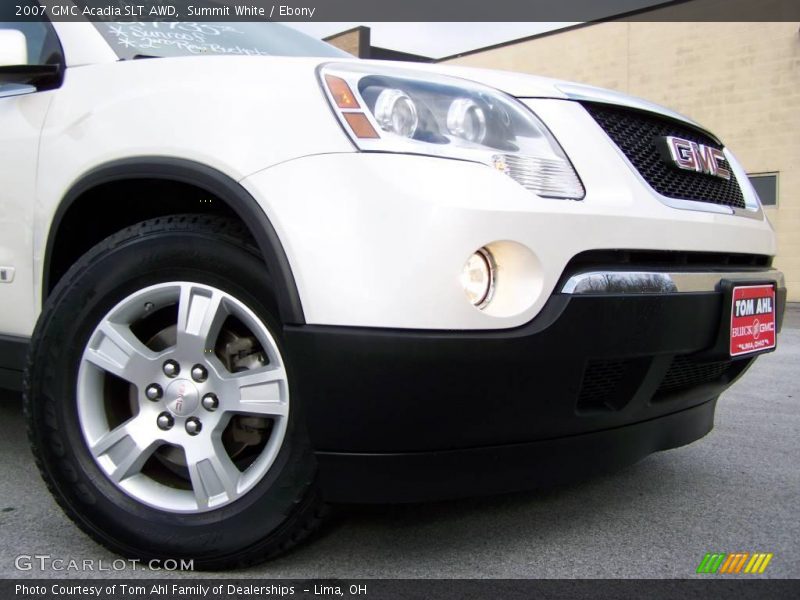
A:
<point x="585" y="364"/>
<point x="425" y="476"/>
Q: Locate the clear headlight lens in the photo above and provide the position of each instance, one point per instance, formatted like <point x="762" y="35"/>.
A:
<point x="467" y="120"/>
<point x="386" y="109"/>
<point x="396" y="112"/>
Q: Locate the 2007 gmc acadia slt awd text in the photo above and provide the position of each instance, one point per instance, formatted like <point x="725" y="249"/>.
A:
<point x="253" y="276"/>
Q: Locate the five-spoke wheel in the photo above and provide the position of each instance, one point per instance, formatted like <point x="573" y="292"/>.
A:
<point x="203" y="401"/>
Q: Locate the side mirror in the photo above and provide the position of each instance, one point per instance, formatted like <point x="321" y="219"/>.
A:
<point x="13" y="48"/>
<point x="15" y="70"/>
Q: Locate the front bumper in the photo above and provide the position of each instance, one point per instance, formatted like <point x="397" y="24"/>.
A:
<point x="595" y="381"/>
<point x="380" y="240"/>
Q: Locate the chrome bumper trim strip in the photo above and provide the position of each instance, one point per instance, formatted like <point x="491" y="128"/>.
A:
<point x="660" y="282"/>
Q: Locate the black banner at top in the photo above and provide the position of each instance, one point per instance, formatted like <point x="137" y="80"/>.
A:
<point x="406" y="10"/>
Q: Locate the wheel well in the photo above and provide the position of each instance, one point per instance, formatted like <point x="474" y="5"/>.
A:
<point x="110" y="207"/>
<point x="125" y="192"/>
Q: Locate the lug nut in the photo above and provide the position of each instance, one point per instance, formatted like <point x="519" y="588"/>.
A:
<point x="154" y="392"/>
<point x="165" y="421"/>
<point x="210" y="402"/>
<point x="193" y="425"/>
<point x="199" y="373"/>
<point x="171" y="368"/>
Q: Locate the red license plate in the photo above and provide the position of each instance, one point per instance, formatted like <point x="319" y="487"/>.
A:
<point x="752" y="319"/>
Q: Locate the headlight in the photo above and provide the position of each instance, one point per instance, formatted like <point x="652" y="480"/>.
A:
<point x="386" y="109"/>
<point x="466" y="119"/>
<point x="396" y="112"/>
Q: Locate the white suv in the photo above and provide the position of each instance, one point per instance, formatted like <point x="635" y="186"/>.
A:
<point x="249" y="282"/>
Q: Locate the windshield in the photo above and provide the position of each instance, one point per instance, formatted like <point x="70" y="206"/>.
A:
<point x="166" y="39"/>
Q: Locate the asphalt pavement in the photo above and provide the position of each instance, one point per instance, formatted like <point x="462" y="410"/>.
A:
<point x="737" y="489"/>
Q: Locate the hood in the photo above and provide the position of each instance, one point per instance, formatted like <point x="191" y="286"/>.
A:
<point x="519" y="85"/>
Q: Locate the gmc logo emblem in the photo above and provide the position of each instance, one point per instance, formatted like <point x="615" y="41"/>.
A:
<point x="692" y="156"/>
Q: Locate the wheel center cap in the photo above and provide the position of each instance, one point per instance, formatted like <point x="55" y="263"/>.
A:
<point x="182" y="397"/>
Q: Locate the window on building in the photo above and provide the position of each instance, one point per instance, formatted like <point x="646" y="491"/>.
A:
<point x="766" y="185"/>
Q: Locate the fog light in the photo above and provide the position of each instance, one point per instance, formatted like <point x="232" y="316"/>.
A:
<point x="477" y="278"/>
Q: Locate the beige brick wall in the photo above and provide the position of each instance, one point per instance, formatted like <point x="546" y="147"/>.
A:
<point x="741" y="80"/>
<point x="349" y="41"/>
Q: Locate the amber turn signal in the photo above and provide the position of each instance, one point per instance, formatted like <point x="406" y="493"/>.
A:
<point x="360" y="125"/>
<point x="341" y="92"/>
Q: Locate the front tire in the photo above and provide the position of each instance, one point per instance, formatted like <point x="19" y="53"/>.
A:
<point x="158" y="401"/>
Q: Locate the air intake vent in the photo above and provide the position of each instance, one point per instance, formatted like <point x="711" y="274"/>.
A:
<point x="601" y="379"/>
<point x="684" y="373"/>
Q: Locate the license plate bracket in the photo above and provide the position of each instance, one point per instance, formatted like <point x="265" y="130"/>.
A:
<point x="753" y="318"/>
